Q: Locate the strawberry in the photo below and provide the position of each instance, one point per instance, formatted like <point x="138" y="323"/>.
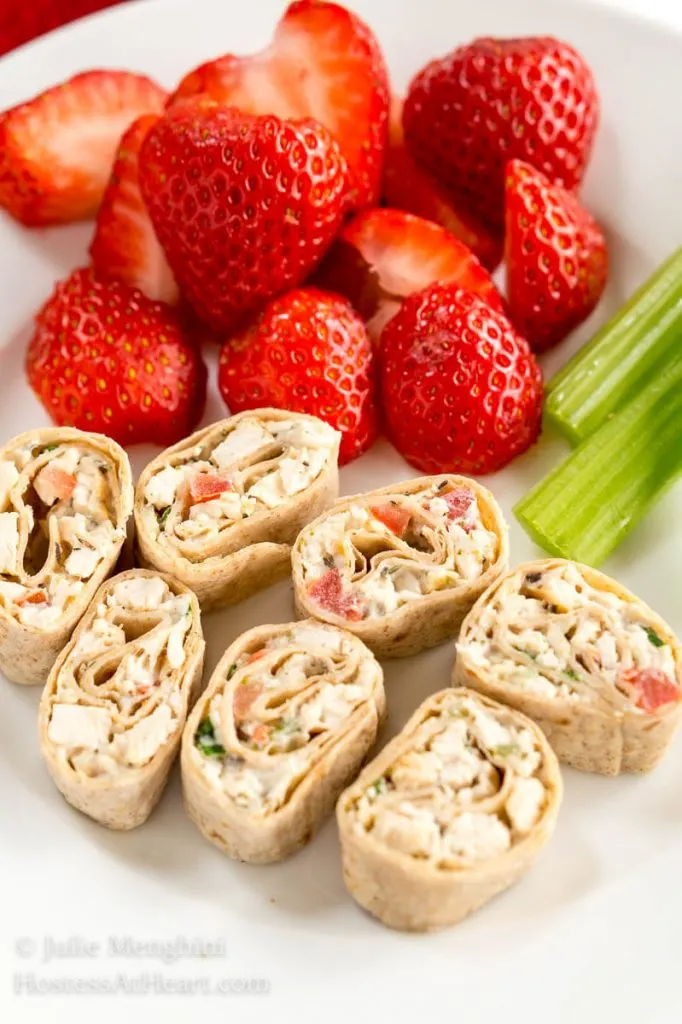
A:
<point x="459" y="500"/>
<point x="308" y="351"/>
<point x="461" y="390"/>
<point x="556" y="257"/>
<point x="57" y="150"/>
<point x="651" y="688"/>
<point x="323" y="63"/>
<point x="244" y="206"/>
<point x="383" y="255"/>
<point x="104" y="357"/>
<point x="494" y="100"/>
<point x="407" y="186"/>
<point x="125" y="245"/>
<point x="21" y="22"/>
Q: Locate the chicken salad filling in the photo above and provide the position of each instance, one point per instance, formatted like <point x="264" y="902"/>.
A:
<point x="60" y="518"/>
<point x="553" y="633"/>
<point x="120" y="695"/>
<point x="370" y="559"/>
<point x="246" y="468"/>
<point x="281" y="707"/>
<point x="467" y="786"/>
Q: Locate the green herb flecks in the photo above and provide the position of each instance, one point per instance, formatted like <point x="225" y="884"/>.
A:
<point x="329" y="561"/>
<point x="162" y="516"/>
<point x="504" y="750"/>
<point x="571" y="674"/>
<point x="205" y="740"/>
<point x="50" y="447"/>
<point x="654" y="638"/>
<point x="231" y="671"/>
<point x="379" y="786"/>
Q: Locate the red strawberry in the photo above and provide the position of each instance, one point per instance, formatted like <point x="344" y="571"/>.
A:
<point x="556" y="258"/>
<point x="408" y="187"/>
<point x="494" y="100"/>
<point x="20" y="22"/>
<point x="106" y="358"/>
<point x="328" y="592"/>
<point x="323" y="63"/>
<point x="383" y="255"/>
<point x="57" y="150"/>
<point x="244" y="206"/>
<point x="462" y="391"/>
<point x="308" y="351"/>
<point x="125" y="245"/>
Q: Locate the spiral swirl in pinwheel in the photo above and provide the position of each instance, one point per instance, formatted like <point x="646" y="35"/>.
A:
<point x="285" y="723"/>
<point x="590" y="662"/>
<point x="114" y="707"/>
<point x="65" y="500"/>
<point x="221" y="509"/>
<point x="400" y="567"/>
<point x="450" y="813"/>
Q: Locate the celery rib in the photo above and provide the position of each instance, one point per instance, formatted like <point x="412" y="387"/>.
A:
<point x="622" y="358"/>
<point x="585" y="507"/>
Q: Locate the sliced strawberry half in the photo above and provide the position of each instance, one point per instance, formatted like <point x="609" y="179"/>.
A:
<point x="57" y="150"/>
<point x="383" y="255"/>
<point x="325" y="63"/>
<point x="328" y="592"/>
<point x="125" y="245"/>
<point x="407" y="187"/>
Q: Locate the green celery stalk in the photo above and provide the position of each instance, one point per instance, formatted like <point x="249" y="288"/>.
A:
<point x="586" y="506"/>
<point x="623" y="356"/>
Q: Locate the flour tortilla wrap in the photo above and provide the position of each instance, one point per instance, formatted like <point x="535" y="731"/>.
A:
<point x="113" y="710"/>
<point x="452" y="812"/>
<point x="598" y="670"/>
<point x="65" y="500"/>
<point x="221" y="509"/>
<point x="285" y="723"/>
<point x="400" y="567"/>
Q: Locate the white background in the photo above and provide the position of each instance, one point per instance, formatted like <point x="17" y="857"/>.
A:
<point x="605" y="947"/>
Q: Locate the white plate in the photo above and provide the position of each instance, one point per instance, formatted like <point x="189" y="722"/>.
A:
<point x="594" y="931"/>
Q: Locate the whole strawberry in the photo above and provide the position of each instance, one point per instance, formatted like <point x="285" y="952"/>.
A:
<point x="308" y="351"/>
<point x="105" y="358"/>
<point x="556" y="258"/>
<point x="461" y="390"/>
<point x="243" y="206"/>
<point x="467" y="114"/>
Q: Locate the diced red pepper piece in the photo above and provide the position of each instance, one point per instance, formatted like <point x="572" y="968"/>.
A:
<point x="54" y="484"/>
<point x="207" y="486"/>
<point x="244" y="696"/>
<point x="33" y="597"/>
<point x="260" y="735"/>
<point x="255" y="656"/>
<point x="328" y="592"/>
<point x="459" y="500"/>
<point x="653" y="687"/>
<point x="392" y="516"/>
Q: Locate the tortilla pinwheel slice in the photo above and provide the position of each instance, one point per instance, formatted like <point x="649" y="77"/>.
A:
<point x="113" y="710"/>
<point x="598" y="670"/>
<point x="221" y="509"/>
<point x="400" y="567"/>
<point x="285" y="723"/>
<point x="65" y="500"/>
<point x="450" y="813"/>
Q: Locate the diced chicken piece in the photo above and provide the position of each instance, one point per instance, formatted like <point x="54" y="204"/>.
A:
<point x="247" y="437"/>
<point x="162" y="489"/>
<point x="9" y="474"/>
<point x="82" y="562"/>
<point x="409" y="830"/>
<point x="269" y="489"/>
<point x="176" y="643"/>
<point x="525" y="803"/>
<point x="303" y="433"/>
<point x="140" y="743"/>
<point x="9" y="541"/>
<point x="73" y="726"/>
<point x="143" y="592"/>
<point x="476" y="836"/>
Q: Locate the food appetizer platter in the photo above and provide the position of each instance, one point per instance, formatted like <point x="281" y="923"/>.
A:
<point x="338" y="577"/>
